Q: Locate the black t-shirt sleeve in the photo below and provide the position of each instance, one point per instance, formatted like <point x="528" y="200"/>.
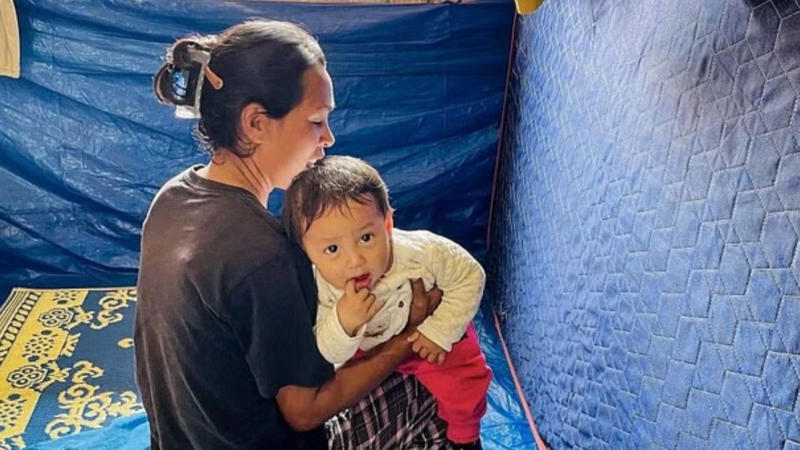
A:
<point x="274" y="325"/>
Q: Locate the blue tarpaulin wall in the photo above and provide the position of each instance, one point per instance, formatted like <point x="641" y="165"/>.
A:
<point x="419" y="91"/>
<point x="85" y="146"/>
<point x="644" y="242"/>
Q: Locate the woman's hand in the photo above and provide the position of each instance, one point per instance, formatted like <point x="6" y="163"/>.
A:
<point x="423" y="303"/>
<point x="356" y="308"/>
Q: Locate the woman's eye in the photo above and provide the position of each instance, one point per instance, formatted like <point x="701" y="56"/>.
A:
<point x="366" y="237"/>
<point x="331" y="249"/>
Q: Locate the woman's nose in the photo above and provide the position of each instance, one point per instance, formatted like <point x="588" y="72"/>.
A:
<point x="328" y="139"/>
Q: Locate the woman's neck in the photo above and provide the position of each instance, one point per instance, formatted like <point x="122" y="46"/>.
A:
<point x="228" y="168"/>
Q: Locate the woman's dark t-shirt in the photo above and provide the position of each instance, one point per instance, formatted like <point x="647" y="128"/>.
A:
<point x="224" y="319"/>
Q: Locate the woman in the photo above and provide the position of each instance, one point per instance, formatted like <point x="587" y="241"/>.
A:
<point x="225" y="355"/>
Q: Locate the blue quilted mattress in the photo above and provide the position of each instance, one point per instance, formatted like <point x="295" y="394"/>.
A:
<point x="644" y="242"/>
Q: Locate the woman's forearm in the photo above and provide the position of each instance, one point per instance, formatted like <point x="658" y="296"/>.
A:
<point x="306" y="408"/>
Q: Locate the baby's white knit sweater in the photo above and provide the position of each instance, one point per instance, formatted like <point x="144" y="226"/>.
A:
<point x="416" y="254"/>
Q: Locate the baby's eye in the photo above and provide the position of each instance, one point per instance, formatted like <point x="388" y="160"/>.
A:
<point x="331" y="249"/>
<point x="367" y="237"/>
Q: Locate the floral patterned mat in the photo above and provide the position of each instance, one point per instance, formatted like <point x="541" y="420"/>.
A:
<point x="66" y="362"/>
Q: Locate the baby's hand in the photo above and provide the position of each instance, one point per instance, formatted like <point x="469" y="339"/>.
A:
<point x="427" y="349"/>
<point x="356" y="308"/>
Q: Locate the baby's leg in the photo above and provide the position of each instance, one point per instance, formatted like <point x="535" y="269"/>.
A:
<point x="459" y="386"/>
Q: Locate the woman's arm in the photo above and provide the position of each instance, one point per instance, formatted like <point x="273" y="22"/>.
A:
<point x="305" y="408"/>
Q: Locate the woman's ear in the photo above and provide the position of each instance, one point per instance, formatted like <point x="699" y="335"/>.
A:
<point x="254" y="122"/>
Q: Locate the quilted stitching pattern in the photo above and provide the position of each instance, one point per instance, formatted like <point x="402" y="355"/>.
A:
<point x="644" y="250"/>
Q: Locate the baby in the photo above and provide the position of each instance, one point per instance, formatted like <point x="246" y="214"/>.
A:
<point x="338" y="210"/>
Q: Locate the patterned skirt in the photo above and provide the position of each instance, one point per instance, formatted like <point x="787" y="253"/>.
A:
<point x="398" y="414"/>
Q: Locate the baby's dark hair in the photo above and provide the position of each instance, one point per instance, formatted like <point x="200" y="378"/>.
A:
<point x="328" y="184"/>
<point x="259" y="61"/>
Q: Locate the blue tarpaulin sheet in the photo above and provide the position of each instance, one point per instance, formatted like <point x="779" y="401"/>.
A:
<point x="85" y="146"/>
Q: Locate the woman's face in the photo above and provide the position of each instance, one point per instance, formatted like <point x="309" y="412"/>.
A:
<point x="300" y="138"/>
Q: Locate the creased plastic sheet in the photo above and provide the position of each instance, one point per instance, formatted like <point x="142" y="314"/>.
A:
<point x="85" y="145"/>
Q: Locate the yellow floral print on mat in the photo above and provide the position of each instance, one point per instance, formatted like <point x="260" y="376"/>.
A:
<point x="39" y="331"/>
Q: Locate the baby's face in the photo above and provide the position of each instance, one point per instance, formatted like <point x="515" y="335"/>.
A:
<point x="353" y="242"/>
